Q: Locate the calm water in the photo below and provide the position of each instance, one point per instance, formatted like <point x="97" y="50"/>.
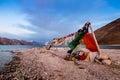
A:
<point x="16" y="47"/>
<point x="109" y="47"/>
<point x="101" y="47"/>
<point x="6" y="56"/>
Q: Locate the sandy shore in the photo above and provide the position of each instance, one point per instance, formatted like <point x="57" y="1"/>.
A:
<point x="42" y="64"/>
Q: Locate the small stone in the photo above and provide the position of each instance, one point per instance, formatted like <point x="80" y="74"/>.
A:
<point x="12" y="70"/>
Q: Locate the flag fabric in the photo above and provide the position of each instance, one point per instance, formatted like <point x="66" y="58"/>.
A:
<point x="75" y="42"/>
<point x="90" y="43"/>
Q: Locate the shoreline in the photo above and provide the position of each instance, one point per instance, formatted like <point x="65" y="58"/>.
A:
<point x="39" y="63"/>
<point x="10" y="68"/>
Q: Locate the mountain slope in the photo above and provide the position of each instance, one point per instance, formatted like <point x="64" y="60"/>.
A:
<point x="6" y="41"/>
<point x="109" y="34"/>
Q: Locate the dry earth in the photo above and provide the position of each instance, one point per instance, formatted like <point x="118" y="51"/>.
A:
<point x="42" y="64"/>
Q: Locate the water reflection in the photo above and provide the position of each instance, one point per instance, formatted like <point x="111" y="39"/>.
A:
<point x="5" y="57"/>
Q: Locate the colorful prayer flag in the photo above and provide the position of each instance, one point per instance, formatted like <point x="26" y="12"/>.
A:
<point x="90" y="43"/>
<point x="75" y="42"/>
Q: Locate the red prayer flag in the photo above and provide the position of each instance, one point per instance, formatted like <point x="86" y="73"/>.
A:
<point x="90" y="43"/>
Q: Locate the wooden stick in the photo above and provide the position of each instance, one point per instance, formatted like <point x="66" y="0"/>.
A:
<point x="93" y="34"/>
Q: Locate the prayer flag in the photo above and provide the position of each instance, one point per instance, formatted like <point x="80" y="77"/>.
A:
<point x="75" y="42"/>
<point x="90" y="43"/>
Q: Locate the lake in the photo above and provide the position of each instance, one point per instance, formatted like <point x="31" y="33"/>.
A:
<point x="16" y="47"/>
<point x="101" y="47"/>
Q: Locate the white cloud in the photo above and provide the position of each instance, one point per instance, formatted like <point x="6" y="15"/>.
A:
<point x="16" y="31"/>
<point x="9" y="24"/>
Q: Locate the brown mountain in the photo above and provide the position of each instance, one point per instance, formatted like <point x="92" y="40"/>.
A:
<point x="6" y="41"/>
<point x="109" y="34"/>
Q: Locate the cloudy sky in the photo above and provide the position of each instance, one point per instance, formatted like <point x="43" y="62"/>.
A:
<point x="42" y="20"/>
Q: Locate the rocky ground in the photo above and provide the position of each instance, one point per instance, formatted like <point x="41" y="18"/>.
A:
<point x="42" y="64"/>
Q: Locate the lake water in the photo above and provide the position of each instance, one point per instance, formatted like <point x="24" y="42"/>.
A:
<point x="6" y="56"/>
<point x="101" y="47"/>
<point x="109" y="47"/>
<point x="16" y="47"/>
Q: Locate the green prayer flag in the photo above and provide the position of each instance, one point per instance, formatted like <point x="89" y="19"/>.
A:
<point x="75" y="42"/>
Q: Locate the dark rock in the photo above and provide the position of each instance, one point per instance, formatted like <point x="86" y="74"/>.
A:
<point x="12" y="69"/>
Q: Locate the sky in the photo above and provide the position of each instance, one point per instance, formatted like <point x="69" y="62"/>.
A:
<point x="42" y="20"/>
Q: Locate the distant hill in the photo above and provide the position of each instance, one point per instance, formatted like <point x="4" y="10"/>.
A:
<point x="6" y="41"/>
<point x="109" y="34"/>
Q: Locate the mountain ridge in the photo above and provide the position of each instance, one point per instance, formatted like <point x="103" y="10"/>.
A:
<point x="109" y="34"/>
<point x="7" y="41"/>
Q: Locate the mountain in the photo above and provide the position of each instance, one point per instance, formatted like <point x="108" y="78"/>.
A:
<point x="109" y="34"/>
<point x="6" y="41"/>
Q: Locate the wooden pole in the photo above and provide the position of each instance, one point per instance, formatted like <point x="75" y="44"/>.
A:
<point x="93" y="34"/>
